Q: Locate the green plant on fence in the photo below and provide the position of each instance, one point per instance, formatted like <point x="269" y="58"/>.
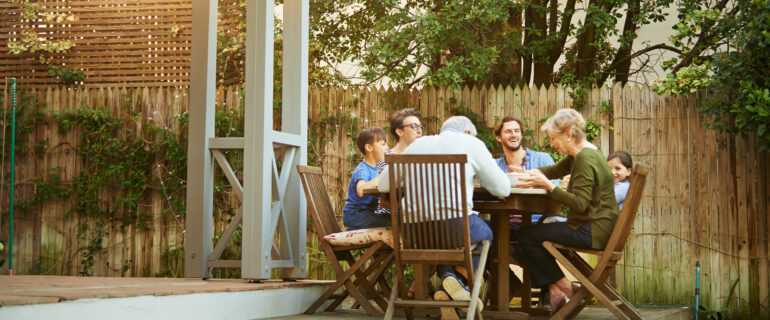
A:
<point x="118" y="160"/>
<point x="69" y="76"/>
<point x="50" y="187"/>
<point x="232" y="252"/>
<point x="32" y="17"/>
<point x="173" y="258"/>
<point x="94" y="239"/>
<point x="29" y="114"/>
<point x="483" y="131"/>
<point x="323" y="130"/>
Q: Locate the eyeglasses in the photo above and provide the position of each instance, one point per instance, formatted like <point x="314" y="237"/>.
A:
<point x="414" y="126"/>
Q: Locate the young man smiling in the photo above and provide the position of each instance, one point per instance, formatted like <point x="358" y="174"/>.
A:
<point x="509" y="132"/>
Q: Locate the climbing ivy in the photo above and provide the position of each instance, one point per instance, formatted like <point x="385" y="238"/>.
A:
<point x="322" y="131"/>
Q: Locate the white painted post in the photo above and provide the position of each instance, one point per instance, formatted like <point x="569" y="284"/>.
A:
<point x="294" y="121"/>
<point x="200" y="174"/>
<point x="258" y="147"/>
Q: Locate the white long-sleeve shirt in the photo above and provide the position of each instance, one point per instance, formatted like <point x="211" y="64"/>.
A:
<point x="480" y="162"/>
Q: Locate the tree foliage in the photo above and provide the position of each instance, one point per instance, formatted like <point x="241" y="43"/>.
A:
<point x="454" y="42"/>
<point x="731" y="58"/>
<point x="231" y="51"/>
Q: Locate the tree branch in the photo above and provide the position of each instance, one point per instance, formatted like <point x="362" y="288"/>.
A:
<point x="555" y="52"/>
<point x="614" y="64"/>
<point x="704" y="36"/>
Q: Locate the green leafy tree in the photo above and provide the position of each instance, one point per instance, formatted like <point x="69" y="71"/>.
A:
<point x="231" y="51"/>
<point x="453" y="42"/>
<point x="731" y="58"/>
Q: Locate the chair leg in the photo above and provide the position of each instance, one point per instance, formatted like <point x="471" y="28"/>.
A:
<point x="605" y="287"/>
<point x="344" y="280"/>
<point x="570" y="310"/>
<point x="337" y="302"/>
<point x="587" y="285"/>
<point x="328" y="293"/>
<point x="374" y="275"/>
<point x="367" y="278"/>
<point x="624" y="306"/>
<point x="478" y="274"/>
<point x="363" y="283"/>
<point x="392" y="301"/>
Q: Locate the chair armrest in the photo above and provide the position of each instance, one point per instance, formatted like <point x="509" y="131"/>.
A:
<point x="615" y="255"/>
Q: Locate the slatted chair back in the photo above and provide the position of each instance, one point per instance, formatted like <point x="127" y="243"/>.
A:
<point x="627" y="215"/>
<point x="429" y="207"/>
<point x="364" y="269"/>
<point x="321" y="210"/>
<point x="432" y="205"/>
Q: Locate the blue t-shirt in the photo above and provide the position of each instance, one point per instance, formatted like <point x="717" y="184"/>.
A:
<point x="621" y="190"/>
<point x="354" y="203"/>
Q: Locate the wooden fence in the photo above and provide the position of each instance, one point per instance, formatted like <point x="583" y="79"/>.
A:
<point x="117" y="43"/>
<point x="706" y="199"/>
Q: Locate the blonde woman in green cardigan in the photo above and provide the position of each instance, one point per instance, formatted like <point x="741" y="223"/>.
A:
<point x="590" y="198"/>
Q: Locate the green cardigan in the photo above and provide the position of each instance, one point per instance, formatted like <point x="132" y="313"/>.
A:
<point x="590" y="194"/>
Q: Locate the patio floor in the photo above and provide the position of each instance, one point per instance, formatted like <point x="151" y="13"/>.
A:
<point x="61" y="297"/>
<point x="592" y="312"/>
<point x="65" y="297"/>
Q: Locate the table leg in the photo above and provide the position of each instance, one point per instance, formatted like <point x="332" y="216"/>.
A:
<point x="502" y="255"/>
<point x="526" y="290"/>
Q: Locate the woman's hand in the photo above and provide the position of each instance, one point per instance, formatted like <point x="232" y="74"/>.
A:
<point x="534" y="171"/>
<point x="535" y="179"/>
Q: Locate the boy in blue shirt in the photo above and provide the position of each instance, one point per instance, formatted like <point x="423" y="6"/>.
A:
<point x="359" y="211"/>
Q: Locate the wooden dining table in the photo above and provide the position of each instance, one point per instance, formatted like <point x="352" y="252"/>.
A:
<point x="524" y="202"/>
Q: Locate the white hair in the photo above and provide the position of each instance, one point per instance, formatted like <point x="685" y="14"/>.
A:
<point x="459" y="123"/>
<point x="566" y="120"/>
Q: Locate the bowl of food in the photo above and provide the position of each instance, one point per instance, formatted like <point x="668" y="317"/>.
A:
<point x="515" y="177"/>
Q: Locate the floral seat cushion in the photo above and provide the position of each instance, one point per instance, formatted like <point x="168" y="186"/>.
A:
<point x="361" y="236"/>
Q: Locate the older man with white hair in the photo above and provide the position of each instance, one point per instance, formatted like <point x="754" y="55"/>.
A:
<point x="458" y="136"/>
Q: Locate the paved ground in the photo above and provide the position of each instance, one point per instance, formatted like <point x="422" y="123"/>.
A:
<point x="594" y="312"/>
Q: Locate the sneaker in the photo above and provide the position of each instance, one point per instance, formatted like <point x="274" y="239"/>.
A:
<point x="446" y="313"/>
<point x="458" y="291"/>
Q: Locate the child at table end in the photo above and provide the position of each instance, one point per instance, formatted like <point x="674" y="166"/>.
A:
<point x="360" y="210"/>
<point x="621" y="164"/>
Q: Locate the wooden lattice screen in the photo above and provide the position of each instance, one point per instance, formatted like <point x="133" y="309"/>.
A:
<point x="117" y="43"/>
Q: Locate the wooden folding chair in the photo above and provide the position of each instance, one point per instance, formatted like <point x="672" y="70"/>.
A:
<point x="365" y="275"/>
<point x="427" y="198"/>
<point x="594" y="280"/>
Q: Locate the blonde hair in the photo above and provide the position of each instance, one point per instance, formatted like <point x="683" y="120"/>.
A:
<point x="566" y="120"/>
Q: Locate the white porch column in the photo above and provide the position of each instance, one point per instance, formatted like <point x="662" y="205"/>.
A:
<point x="200" y="174"/>
<point x="258" y="147"/>
<point x="294" y="121"/>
